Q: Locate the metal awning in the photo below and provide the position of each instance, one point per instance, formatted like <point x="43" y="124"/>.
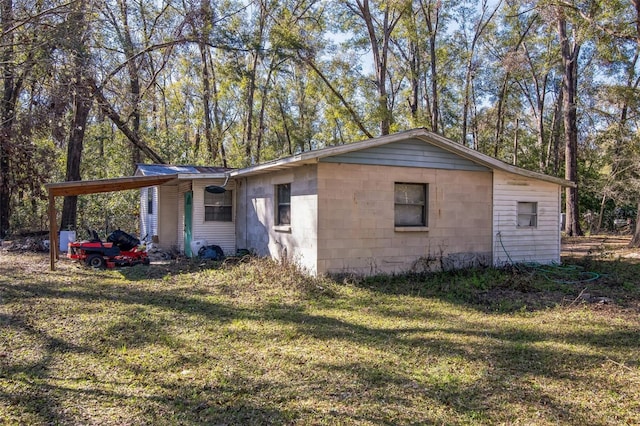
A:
<point x="83" y="187"/>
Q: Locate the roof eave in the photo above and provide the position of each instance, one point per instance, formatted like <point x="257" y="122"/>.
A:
<point x="488" y="161"/>
<point x="311" y="157"/>
<point x="106" y="185"/>
<point x="190" y="176"/>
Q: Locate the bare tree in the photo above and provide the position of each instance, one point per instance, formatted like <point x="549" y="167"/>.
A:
<point x="486" y="15"/>
<point x="431" y="11"/>
<point x="379" y="27"/>
<point x="80" y="90"/>
<point x="570" y="50"/>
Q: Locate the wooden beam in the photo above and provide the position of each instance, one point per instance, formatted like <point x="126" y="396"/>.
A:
<point x="53" y="232"/>
<point x="63" y="189"/>
<point x="83" y="187"/>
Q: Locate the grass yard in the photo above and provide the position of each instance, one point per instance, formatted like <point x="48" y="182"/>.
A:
<point x="258" y="343"/>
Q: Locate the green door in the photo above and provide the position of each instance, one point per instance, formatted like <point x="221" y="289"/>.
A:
<point x="188" y="219"/>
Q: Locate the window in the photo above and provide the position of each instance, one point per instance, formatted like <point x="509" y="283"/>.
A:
<point x="527" y="215"/>
<point x="410" y="204"/>
<point x="218" y="207"/>
<point x="150" y="200"/>
<point x="283" y="203"/>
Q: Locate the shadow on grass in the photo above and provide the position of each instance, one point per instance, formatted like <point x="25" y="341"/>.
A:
<point x="509" y="357"/>
<point x="163" y="269"/>
<point x="520" y="288"/>
<point x="34" y="399"/>
<point x="45" y="404"/>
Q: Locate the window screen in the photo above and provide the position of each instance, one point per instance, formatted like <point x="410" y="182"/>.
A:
<point x="283" y="194"/>
<point x="527" y="215"/>
<point x="218" y="207"/>
<point x="410" y="204"/>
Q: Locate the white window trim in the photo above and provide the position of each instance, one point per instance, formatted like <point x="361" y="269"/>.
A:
<point x="533" y="214"/>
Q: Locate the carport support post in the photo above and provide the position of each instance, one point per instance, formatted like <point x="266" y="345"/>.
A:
<point x="53" y="232"/>
<point x="64" y="189"/>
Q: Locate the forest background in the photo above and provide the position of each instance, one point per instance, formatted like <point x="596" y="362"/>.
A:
<point x="89" y="89"/>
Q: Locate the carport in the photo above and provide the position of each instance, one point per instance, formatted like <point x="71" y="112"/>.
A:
<point x="84" y="187"/>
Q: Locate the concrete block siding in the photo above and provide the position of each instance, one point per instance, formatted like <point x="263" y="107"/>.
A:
<point x="356" y="219"/>
<point x="256" y="208"/>
<point x="342" y="207"/>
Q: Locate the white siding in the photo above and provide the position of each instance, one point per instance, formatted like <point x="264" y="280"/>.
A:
<point x="222" y="234"/>
<point x="167" y="213"/>
<point x="148" y="221"/>
<point x="182" y="188"/>
<point x="144" y="221"/>
<point x="540" y="244"/>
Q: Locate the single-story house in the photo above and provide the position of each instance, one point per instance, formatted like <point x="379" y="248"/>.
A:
<point x="411" y="201"/>
<point x="171" y="220"/>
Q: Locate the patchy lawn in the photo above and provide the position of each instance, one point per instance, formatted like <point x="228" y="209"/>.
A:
<point x="257" y="343"/>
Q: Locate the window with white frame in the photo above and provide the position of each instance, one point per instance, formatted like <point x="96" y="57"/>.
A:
<point x="411" y="204"/>
<point x="527" y="214"/>
<point x="283" y="204"/>
<point x="218" y="207"/>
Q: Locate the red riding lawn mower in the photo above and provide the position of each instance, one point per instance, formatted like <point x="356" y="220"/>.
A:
<point x="121" y="249"/>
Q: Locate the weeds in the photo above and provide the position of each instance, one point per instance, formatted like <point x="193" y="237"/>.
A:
<point x="262" y="343"/>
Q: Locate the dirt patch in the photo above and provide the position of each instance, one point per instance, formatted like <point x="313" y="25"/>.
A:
<point x="598" y="245"/>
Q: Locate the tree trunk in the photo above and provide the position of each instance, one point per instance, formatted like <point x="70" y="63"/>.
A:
<point x="7" y="114"/>
<point x="499" y="133"/>
<point x="380" y="52"/>
<point x="115" y="118"/>
<point x="82" y="106"/>
<point x="414" y="79"/>
<point x="206" y="105"/>
<point x="217" y="119"/>
<point x="263" y="105"/>
<point x="465" y="102"/>
<point x="569" y="88"/>
<point x="554" y="140"/>
<point x="134" y="81"/>
<point x="252" y="86"/>
<point x="470" y="71"/>
<point x="515" y="143"/>
<point x="354" y="115"/>
<point x="635" y="241"/>
<point x="212" y="146"/>
<point x="435" y="106"/>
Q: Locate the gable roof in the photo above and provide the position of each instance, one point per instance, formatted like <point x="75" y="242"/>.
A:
<point x="421" y="134"/>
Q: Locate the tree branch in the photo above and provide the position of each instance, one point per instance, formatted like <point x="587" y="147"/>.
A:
<point x="353" y="114"/>
<point x="113" y="115"/>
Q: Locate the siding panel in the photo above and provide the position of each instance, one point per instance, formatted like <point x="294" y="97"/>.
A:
<point x="222" y="234"/>
<point x="519" y="245"/>
<point x="167" y="217"/>
<point x="411" y="153"/>
<point x="356" y="210"/>
<point x="182" y="188"/>
<point x="144" y="219"/>
<point x="148" y="221"/>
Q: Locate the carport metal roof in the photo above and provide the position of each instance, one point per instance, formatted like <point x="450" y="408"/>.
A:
<point x="63" y="189"/>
